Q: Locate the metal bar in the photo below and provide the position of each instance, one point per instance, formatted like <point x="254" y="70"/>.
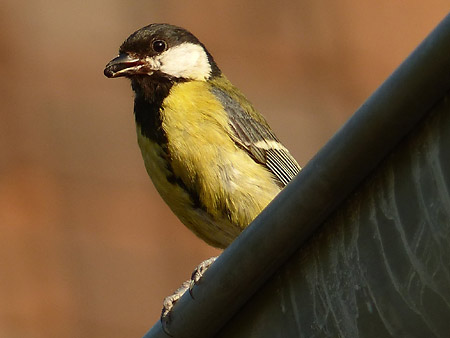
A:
<point x="326" y="181"/>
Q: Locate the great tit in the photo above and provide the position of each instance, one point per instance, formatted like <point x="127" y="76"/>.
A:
<point x="212" y="157"/>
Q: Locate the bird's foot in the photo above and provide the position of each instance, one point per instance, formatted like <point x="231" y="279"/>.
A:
<point x="170" y="301"/>
<point x="198" y="273"/>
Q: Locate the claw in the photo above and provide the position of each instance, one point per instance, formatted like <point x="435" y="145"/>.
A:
<point x="168" y="304"/>
<point x="198" y="273"/>
<point x="165" y="321"/>
<point x="188" y="285"/>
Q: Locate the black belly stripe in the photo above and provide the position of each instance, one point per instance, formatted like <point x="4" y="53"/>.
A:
<point x="147" y="111"/>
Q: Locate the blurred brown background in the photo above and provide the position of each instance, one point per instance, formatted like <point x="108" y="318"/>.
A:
<point x="87" y="247"/>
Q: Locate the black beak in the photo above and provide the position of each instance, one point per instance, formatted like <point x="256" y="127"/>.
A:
<point x="123" y="65"/>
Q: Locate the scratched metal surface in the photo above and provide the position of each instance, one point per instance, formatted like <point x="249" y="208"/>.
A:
<point x="385" y="271"/>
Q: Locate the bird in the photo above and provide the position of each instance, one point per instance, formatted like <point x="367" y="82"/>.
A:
<point x="211" y="155"/>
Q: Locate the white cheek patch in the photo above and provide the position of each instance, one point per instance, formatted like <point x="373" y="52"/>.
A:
<point x="186" y="60"/>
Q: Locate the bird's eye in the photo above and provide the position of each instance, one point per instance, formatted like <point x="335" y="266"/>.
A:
<point x="159" y="46"/>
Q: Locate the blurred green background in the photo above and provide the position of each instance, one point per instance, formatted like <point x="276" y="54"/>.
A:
<point x="87" y="247"/>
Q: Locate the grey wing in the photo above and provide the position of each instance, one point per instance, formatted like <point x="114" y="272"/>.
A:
<point x="258" y="140"/>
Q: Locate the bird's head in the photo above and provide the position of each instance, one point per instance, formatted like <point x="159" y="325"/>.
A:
<point x="163" y="50"/>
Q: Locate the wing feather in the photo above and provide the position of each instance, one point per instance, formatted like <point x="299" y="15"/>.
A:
<point x="256" y="137"/>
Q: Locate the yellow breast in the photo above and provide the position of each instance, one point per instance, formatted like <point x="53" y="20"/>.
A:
<point x="230" y="187"/>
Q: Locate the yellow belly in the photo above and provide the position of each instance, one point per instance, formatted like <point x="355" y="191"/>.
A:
<point x="231" y="187"/>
